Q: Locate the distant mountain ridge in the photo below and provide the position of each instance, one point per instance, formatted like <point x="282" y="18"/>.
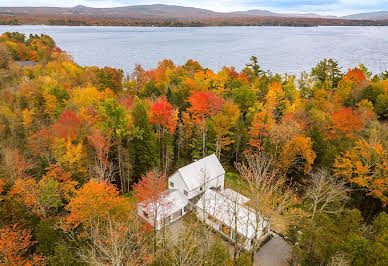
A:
<point x="258" y="12"/>
<point x="171" y="11"/>
<point x="155" y="11"/>
<point x="380" y="15"/>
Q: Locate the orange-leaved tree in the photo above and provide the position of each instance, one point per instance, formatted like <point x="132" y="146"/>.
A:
<point x="52" y="192"/>
<point x="366" y="165"/>
<point x="344" y="122"/>
<point x="289" y="127"/>
<point x="15" y="243"/>
<point x="96" y="201"/>
<point x="350" y="84"/>
<point x="204" y="105"/>
<point x="2" y="183"/>
<point x="110" y="227"/>
<point x="261" y="126"/>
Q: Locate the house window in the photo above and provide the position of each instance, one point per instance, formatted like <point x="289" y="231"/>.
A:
<point x="145" y="214"/>
<point x="171" y="184"/>
<point x="225" y="229"/>
<point x="186" y="193"/>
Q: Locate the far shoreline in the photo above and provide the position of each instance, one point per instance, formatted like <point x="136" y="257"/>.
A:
<point x="187" y="22"/>
<point x="204" y="26"/>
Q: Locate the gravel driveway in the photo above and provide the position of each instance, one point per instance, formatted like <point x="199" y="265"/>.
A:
<point x="276" y="252"/>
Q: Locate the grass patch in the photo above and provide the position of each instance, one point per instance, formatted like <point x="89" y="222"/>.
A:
<point x="234" y="181"/>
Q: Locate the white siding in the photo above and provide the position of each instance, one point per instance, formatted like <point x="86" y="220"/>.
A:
<point x="178" y="182"/>
<point x="216" y="226"/>
<point x="159" y="223"/>
<point x="230" y="213"/>
<point x="216" y="182"/>
<point x="169" y="205"/>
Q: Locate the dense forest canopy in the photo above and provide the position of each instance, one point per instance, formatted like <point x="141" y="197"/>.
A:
<point x="80" y="145"/>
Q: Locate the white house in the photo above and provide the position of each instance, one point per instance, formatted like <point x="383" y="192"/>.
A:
<point x="225" y="212"/>
<point x="194" y="179"/>
<point x="169" y="207"/>
<point x="201" y="185"/>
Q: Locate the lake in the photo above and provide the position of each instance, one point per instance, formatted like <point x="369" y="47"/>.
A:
<point x="279" y="49"/>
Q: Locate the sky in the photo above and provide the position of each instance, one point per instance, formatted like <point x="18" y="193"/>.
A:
<point x="324" y="7"/>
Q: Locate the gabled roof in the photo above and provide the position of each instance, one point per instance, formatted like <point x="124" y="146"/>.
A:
<point x="234" y="196"/>
<point x="25" y="63"/>
<point x="227" y="211"/>
<point x="169" y="202"/>
<point x="202" y="171"/>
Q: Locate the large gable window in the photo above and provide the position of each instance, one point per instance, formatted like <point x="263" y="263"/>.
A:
<point x="171" y="184"/>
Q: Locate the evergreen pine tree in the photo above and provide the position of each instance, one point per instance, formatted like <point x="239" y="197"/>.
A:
<point x="144" y="147"/>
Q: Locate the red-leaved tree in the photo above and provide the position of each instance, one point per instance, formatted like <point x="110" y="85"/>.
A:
<point x="67" y="125"/>
<point x="150" y="190"/>
<point x="164" y="117"/>
<point x="102" y="144"/>
<point x="354" y="75"/>
<point x="204" y="105"/>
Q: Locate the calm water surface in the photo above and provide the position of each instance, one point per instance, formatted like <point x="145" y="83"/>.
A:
<point x="279" y="49"/>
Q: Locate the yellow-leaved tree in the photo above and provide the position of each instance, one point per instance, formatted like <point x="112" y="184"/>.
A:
<point x="366" y="165"/>
<point x="297" y="153"/>
<point x="47" y="196"/>
<point x="71" y="157"/>
<point x="223" y="124"/>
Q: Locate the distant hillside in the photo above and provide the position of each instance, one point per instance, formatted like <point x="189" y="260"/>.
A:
<point x="258" y="12"/>
<point x="155" y="11"/>
<point x="166" y="15"/>
<point x="381" y="15"/>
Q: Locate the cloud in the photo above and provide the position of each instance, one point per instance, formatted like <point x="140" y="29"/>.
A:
<point x="320" y="6"/>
